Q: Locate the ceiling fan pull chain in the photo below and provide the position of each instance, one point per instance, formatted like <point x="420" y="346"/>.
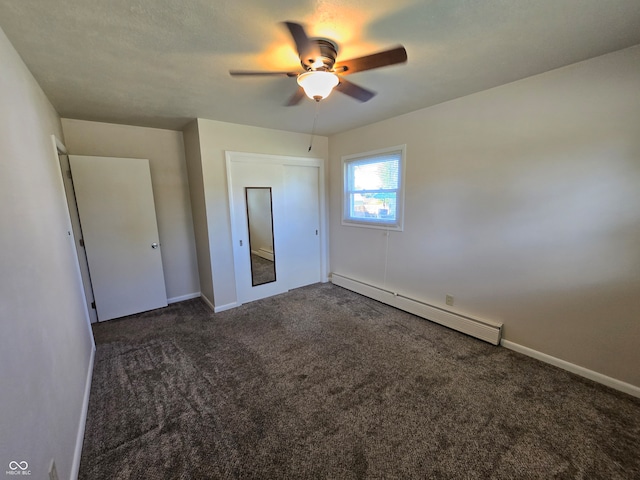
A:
<point x="313" y="130"/>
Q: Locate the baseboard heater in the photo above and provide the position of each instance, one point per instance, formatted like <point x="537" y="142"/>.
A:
<point x="482" y="329"/>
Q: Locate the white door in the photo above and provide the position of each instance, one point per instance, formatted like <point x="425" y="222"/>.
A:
<point x="301" y="228"/>
<point x="245" y="175"/>
<point x="120" y="233"/>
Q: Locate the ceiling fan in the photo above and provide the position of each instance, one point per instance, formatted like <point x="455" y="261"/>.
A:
<point x="322" y="73"/>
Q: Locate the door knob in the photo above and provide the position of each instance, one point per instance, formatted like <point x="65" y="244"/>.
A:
<point x="154" y="245"/>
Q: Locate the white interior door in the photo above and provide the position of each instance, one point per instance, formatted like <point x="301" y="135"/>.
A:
<point x="120" y="233"/>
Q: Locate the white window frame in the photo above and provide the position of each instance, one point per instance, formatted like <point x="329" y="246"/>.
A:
<point x="347" y="220"/>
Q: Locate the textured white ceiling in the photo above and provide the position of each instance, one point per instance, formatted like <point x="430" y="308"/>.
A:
<point x="160" y="63"/>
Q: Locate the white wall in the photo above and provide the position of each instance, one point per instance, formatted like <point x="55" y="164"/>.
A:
<point x="165" y="151"/>
<point x="523" y="202"/>
<point x="198" y="208"/>
<point x="216" y="138"/>
<point x="46" y="344"/>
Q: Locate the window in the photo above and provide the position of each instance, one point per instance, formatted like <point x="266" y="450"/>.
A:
<point x="373" y="189"/>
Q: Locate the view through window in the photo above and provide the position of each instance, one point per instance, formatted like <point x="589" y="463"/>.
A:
<point x="373" y="188"/>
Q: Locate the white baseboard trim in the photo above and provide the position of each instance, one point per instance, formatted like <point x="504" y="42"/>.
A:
<point x="573" y="368"/>
<point x="228" y="306"/>
<point x="264" y="253"/>
<point x="75" y="467"/>
<point x="490" y="332"/>
<point x="208" y="302"/>
<point x="220" y="308"/>
<point x="182" y="298"/>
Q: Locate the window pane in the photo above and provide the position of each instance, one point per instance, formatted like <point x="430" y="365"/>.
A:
<point x="373" y="190"/>
<point x="379" y="175"/>
<point x="374" y="206"/>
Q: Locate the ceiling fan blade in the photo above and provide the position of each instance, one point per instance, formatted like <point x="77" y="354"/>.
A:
<point x="375" y="60"/>
<point x="239" y="73"/>
<point x="355" y="91"/>
<point x="296" y="97"/>
<point x="308" y="51"/>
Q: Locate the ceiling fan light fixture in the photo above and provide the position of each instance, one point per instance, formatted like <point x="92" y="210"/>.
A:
<point x="317" y="85"/>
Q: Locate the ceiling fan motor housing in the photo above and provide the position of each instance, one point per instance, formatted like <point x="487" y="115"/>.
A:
<point x="326" y="60"/>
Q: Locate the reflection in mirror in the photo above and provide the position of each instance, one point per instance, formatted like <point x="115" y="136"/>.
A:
<point x="260" y="223"/>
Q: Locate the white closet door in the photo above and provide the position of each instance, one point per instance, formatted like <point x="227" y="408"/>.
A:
<point x="118" y="221"/>
<point x="296" y="185"/>
<point x="242" y="175"/>
<point x="301" y="230"/>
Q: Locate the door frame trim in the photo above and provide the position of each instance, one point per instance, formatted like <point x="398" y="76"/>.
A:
<point x="75" y="231"/>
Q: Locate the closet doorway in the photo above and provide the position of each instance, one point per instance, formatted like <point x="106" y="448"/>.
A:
<point x="277" y="223"/>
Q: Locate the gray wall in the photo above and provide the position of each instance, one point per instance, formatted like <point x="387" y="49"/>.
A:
<point x="523" y="202"/>
<point x="46" y="344"/>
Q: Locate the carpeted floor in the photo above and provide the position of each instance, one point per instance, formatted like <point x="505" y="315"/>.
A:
<point x="262" y="270"/>
<point x="321" y="383"/>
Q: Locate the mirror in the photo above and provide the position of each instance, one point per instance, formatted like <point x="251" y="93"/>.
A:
<point x="260" y="223"/>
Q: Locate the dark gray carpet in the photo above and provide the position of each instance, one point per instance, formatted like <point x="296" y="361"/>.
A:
<point x="262" y="270"/>
<point x="321" y="383"/>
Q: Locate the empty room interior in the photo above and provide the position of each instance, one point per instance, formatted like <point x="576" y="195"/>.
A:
<point x="320" y="239"/>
